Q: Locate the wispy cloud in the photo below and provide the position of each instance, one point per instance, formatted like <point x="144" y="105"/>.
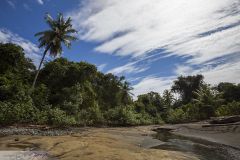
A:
<point x="11" y="3"/>
<point x="31" y="50"/>
<point x="40" y="2"/>
<point x="200" y="31"/>
<point x="225" y="70"/>
<point x="229" y="72"/>
<point x="101" y="67"/>
<point x="26" y="6"/>
<point x="137" y="27"/>
<point x="128" y="68"/>
<point x="155" y="84"/>
<point x="183" y="70"/>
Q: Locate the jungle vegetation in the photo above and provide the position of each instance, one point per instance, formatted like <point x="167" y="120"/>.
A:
<point x="77" y="94"/>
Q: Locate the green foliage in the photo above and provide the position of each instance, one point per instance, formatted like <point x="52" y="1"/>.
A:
<point x="59" y="32"/>
<point x="230" y="92"/>
<point x="207" y="100"/>
<point x="176" y="116"/>
<point x="21" y="112"/>
<point x="193" y="112"/>
<point x="151" y="103"/>
<point x="12" y="60"/>
<point x="58" y="117"/>
<point x="90" y="117"/>
<point x="232" y="108"/>
<point x="122" y="115"/>
<point x="40" y="96"/>
<point x="185" y="86"/>
<point x="76" y="94"/>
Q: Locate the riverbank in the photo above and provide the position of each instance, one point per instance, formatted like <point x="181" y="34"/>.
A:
<point x="226" y="134"/>
<point x="135" y="143"/>
<point x="94" y="143"/>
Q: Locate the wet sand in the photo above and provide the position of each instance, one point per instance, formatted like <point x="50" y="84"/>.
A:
<point x="131" y="143"/>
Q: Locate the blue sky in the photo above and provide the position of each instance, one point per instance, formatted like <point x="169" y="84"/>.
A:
<point x="150" y="42"/>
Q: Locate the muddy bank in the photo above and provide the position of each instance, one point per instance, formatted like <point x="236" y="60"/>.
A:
<point x="96" y="143"/>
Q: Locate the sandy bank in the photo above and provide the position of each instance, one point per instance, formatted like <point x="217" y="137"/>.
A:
<point x="96" y="143"/>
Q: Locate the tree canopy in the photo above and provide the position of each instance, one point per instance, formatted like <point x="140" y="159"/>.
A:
<point x="77" y="94"/>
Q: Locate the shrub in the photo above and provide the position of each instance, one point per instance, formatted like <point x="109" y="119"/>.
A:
<point x="58" y="117"/>
<point x="40" y="96"/>
<point x="157" y="120"/>
<point x="192" y="112"/>
<point x="122" y="115"/>
<point x="6" y="115"/>
<point x="232" y="108"/>
<point x="176" y="116"/>
<point x="96" y="116"/>
<point x="90" y="116"/>
<point x="23" y="112"/>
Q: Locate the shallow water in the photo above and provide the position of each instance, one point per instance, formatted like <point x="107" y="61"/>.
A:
<point x="203" y="149"/>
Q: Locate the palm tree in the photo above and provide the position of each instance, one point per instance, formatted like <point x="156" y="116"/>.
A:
<point x="168" y="98"/>
<point x="208" y="99"/>
<point x="51" y="40"/>
<point x="126" y="94"/>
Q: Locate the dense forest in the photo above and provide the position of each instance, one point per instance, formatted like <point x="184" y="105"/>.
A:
<point x="77" y="94"/>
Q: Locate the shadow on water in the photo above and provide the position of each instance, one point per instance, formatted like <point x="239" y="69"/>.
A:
<point x="203" y="149"/>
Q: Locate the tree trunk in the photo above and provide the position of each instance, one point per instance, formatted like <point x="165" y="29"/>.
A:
<point x="39" y="67"/>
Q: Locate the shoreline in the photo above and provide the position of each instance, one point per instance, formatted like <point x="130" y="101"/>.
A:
<point x="228" y="135"/>
<point x="114" y="143"/>
<point x="97" y="143"/>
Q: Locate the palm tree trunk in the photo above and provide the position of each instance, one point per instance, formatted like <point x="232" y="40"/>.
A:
<point x="39" y="67"/>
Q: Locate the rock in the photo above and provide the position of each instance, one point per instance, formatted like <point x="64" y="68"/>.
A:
<point x="225" y="120"/>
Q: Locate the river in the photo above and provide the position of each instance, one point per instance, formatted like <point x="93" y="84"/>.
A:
<point x="202" y="149"/>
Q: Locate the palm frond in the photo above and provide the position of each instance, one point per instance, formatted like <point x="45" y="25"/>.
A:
<point x="50" y="21"/>
<point x="68" y="22"/>
<point x="70" y="38"/>
<point x="71" y="31"/>
<point x="60" y="32"/>
<point x="60" y="19"/>
<point x="43" y="32"/>
<point x="67" y="43"/>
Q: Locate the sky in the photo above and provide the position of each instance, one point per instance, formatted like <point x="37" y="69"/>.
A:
<point x="150" y="42"/>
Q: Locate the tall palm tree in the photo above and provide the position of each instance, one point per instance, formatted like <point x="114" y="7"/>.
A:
<point x="168" y="98"/>
<point x="51" y="40"/>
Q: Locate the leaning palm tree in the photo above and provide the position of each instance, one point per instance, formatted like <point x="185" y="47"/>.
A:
<point x="51" y="40"/>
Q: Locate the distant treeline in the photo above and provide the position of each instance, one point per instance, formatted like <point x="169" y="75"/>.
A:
<point x="77" y="94"/>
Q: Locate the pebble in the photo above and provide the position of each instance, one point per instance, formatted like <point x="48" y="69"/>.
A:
<point x="37" y="132"/>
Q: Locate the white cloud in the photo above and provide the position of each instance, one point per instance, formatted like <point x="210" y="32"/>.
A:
<point x="224" y="70"/>
<point x="101" y="66"/>
<point x="128" y="68"/>
<point x="31" y="50"/>
<point x="40" y="2"/>
<point x="137" y="27"/>
<point x="11" y="3"/>
<point x="155" y="84"/>
<point x="183" y="70"/>
<point x="200" y="30"/>
<point x="229" y="72"/>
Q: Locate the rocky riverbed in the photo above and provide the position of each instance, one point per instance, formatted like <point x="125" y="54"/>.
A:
<point x="89" y="143"/>
<point x="135" y="143"/>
